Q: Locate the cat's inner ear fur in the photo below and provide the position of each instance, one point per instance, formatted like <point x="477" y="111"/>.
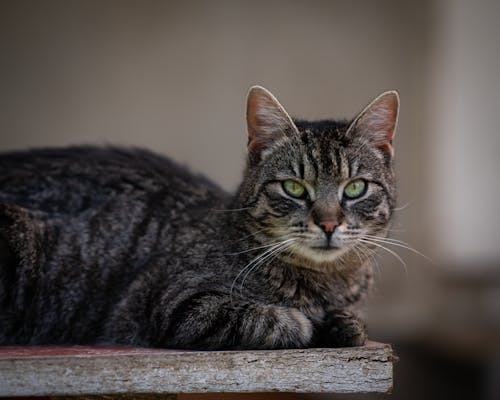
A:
<point x="267" y="121"/>
<point x="377" y="122"/>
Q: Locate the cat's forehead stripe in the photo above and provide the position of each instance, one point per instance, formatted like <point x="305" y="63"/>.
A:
<point x="327" y="158"/>
<point x="301" y="169"/>
<point x="313" y="170"/>
<point x="322" y="157"/>
<point x="343" y="167"/>
<point x="353" y="166"/>
<point x="295" y="167"/>
<point x="338" y="157"/>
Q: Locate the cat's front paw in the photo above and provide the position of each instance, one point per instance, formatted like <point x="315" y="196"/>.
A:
<point x="276" y="327"/>
<point x="343" y="329"/>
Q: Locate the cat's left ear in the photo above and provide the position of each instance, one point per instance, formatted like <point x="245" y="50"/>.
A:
<point x="378" y="121"/>
<point x="267" y="122"/>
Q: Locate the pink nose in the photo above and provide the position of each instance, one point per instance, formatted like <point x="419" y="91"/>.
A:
<point x="328" y="226"/>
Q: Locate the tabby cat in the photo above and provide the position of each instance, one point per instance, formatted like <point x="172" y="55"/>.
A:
<point x="123" y="246"/>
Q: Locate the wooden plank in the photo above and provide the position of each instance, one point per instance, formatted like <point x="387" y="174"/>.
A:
<point x="82" y="370"/>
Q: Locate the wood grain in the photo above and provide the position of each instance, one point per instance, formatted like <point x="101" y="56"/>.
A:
<point x="82" y="370"/>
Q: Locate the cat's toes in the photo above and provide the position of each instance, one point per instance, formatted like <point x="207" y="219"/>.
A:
<point x="281" y="327"/>
<point x="347" y="330"/>
<point x="301" y="325"/>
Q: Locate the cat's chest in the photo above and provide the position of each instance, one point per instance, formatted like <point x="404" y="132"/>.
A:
<point x="317" y="295"/>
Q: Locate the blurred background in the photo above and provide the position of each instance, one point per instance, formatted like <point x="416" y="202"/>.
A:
<point x="172" y="76"/>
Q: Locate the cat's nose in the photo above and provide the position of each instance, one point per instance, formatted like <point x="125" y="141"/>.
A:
<point x="328" y="226"/>
<point x="327" y="217"/>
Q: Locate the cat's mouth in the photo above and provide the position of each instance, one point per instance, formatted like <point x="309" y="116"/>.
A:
<point x="312" y="254"/>
<point x="326" y="247"/>
<point x="326" y="244"/>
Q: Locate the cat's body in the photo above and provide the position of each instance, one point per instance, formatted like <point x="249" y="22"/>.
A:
<point x="108" y="245"/>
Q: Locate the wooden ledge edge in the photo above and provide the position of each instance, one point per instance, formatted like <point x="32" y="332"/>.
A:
<point x="49" y="351"/>
<point x="94" y="370"/>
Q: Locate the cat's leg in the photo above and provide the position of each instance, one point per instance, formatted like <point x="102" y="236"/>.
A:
<point x="211" y="320"/>
<point x="217" y="321"/>
<point x="341" y="328"/>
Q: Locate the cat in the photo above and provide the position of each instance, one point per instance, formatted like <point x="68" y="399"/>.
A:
<point x="103" y="245"/>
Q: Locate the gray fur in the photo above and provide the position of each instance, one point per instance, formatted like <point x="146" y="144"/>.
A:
<point x="112" y="245"/>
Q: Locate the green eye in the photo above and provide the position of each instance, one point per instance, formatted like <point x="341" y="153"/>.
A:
<point x="294" y="188"/>
<point x="355" y="188"/>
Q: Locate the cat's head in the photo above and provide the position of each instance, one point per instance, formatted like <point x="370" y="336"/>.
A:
<point x="317" y="192"/>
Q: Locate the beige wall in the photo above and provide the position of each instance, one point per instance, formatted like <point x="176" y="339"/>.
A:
<point x="464" y="107"/>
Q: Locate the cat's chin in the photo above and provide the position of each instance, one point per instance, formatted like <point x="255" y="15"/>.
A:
<point x="325" y="254"/>
<point x="319" y="258"/>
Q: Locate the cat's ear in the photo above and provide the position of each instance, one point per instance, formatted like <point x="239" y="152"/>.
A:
<point x="267" y="121"/>
<point x="378" y="121"/>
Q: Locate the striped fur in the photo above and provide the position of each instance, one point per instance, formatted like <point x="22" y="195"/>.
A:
<point x="113" y="245"/>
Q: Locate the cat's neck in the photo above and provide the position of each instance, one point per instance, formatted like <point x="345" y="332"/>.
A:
<point x="306" y="288"/>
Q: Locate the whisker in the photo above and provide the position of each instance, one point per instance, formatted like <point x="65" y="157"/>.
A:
<point x="384" y="238"/>
<point x="393" y="253"/>
<point x="264" y="246"/>
<point x="357" y="250"/>
<point x="404" y="206"/>
<point x="257" y="259"/>
<point x="257" y="232"/>
<point x="396" y="230"/>
<point x="276" y="232"/>
<point x="270" y="257"/>
<point x="398" y="243"/>
<point x="371" y="258"/>
<point x="247" y="236"/>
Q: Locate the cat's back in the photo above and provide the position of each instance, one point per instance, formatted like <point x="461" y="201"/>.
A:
<point x="79" y="225"/>
<point x="77" y="179"/>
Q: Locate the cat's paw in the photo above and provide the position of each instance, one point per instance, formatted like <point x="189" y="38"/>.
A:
<point x="280" y="327"/>
<point x="344" y="329"/>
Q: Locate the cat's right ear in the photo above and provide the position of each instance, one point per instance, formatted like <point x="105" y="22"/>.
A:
<point x="378" y="121"/>
<point x="267" y="122"/>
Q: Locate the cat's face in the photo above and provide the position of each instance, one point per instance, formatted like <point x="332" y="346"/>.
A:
<point x="318" y="192"/>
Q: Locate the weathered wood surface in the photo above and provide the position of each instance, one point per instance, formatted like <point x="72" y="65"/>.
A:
<point x="80" y="370"/>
